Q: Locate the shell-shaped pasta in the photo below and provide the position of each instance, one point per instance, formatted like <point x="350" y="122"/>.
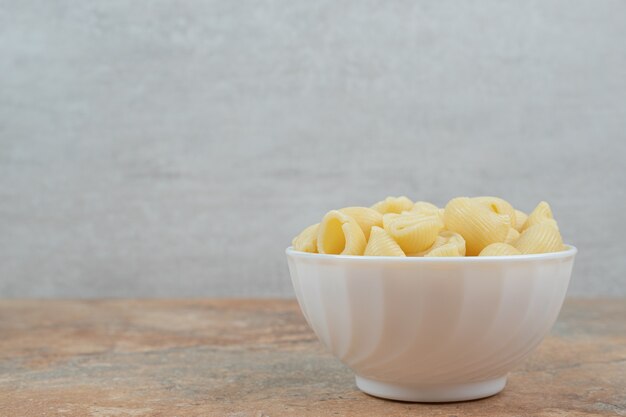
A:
<point x="393" y="205"/>
<point x="499" y="249"/>
<point x="365" y="217"/>
<point x="540" y="238"/>
<point x="498" y="206"/>
<point x="512" y="236"/>
<point x="439" y="241"/>
<point x="425" y="251"/>
<point x="446" y="238"/>
<point x="448" y="249"/>
<point x="424" y="207"/>
<point x="413" y="232"/>
<point x="478" y="225"/>
<point x="388" y="218"/>
<point x="541" y="213"/>
<point x="454" y="239"/>
<point x="306" y="241"/>
<point x="381" y="244"/>
<point x="427" y="209"/>
<point x="340" y="234"/>
<point x="520" y="219"/>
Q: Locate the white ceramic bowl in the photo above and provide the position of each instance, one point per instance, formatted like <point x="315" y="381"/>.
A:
<point x="431" y="329"/>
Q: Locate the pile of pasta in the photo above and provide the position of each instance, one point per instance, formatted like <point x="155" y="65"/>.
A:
<point x="396" y="226"/>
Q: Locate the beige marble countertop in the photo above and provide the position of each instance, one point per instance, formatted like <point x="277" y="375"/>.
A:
<point x="258" y="358"/>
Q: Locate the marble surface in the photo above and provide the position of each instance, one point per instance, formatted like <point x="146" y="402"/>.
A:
<point x="255" y="358"/>
<point x="173" y="148"/>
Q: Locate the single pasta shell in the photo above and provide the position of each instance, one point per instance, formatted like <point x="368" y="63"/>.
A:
<point x="498" y="206"/>
<point x="381" y="244"/>
<point x="424" y="207"/>
<point x="340" y="234"/>
<point x="306" y="241"/>
<point x="477" y="224"/>
<point x="393" y="205"/>
<point x="413" y="232"/>
<point x="540" y="238"/>
<point x="540" y="214"/>
<point x="499" y="249"/>
<point x="365" y="217"/>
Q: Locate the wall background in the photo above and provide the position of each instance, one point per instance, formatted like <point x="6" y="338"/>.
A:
<point x="173" y="148"/>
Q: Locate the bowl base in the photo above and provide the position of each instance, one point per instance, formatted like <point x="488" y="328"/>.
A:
<point x="431" y="394"/>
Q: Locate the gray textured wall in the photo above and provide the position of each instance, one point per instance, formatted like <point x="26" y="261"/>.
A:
<point x="173" y="148"/>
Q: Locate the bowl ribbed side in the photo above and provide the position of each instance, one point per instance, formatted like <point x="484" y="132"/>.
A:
<point x="430" y="323"/>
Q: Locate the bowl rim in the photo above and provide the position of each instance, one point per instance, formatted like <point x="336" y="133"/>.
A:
<point x="569" y="252"/>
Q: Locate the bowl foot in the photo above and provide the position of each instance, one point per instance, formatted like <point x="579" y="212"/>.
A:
<point x="438" y="393"/>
